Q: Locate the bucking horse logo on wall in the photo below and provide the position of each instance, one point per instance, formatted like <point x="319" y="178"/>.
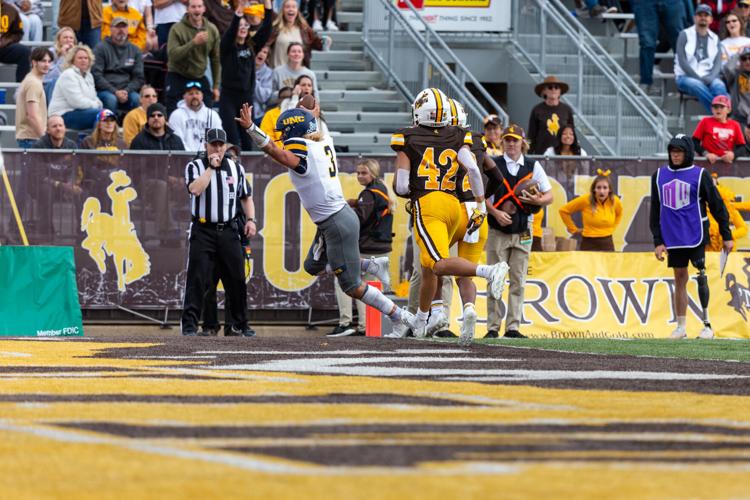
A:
<point x="114" y="235"/>
<point x="740" y="294"/>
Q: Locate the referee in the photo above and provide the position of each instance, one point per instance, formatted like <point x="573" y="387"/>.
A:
<point x="216" y="185"/>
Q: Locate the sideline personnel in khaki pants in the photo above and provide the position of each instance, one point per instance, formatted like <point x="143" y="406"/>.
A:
<point x="510" y="219"/>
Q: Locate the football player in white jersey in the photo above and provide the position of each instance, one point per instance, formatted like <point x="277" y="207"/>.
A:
<point x="311" y="160"/>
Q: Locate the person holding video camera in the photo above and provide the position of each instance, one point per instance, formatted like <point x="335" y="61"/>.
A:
<point x="217" y="187"/>
<point x="511" y="204"/>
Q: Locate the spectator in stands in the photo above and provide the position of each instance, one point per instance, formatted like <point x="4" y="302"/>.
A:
<point x="105" y="135"/>
<point x="31" y="103"/>
<point x="193" y="43"/>
<point x="737" y="76"/>
<point x="11" y="50"/>
<point x="733" y="38"/>
<point x="697" y="63"/>
<point x="118" y="69"/>
<point x="286" y="74"/>
<point x="567" y="144"/>
<point x="743" y="10"/>
<point x="238" y="70"/>
<point x="192" y="117"/>
<point x="601" y="213"/>
<point x="493" y="131"/>
<point x="290" y="27"/>
<point x="313" y="16"/>
<point x="55" y="138"/>
<point x="156" y="134"/>
<point x="719" y="9"/>
<point x="268" y="123"/>
<point x="374" y="211"/>
<point x="136" y="26"/>
<point x="146" y="10"/>
<point x="166" y="14"/>
<point x="550" y="116"/>
<point x="85" y="17"/>
<point x="301" y="87"/>
<point x="31" y="12"/>
<point x="74" y="97"/>
<point x="650" y="17"/>
<point x="263" y="84"/>
<point x="63" y="179"/>
<point x="510" y="228"/>
<point x="65" y="39"/>
<point x="718" y="136"/>
<point x="595" y="9"/>
<point x="137" y="118"/>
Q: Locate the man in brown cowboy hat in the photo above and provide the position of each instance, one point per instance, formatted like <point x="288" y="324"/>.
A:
<point x="549" y="117"/>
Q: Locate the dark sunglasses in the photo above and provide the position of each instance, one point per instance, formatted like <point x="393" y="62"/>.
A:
<point x="745" y="58"/>
<point x="156" y="115"/>
<point x="553" y="86"/>
<point x="716" y="106"/>
<point x="732" y="21"/>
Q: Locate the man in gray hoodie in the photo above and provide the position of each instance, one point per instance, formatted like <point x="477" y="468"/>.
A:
<point x="118" y="69"/>
<point x="737" y="76"/>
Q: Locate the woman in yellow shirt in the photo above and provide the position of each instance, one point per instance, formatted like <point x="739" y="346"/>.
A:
<point x="601" y="212"/>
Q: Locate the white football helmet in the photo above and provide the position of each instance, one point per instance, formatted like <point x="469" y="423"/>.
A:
<point x="458" y="114"/>
<point x="430" y="108"/>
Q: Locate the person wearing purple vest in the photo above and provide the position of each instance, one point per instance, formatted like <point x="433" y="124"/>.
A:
<point x="680" y="193"/>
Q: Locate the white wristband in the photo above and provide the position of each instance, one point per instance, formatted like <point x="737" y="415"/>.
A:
<point x="260" y="138"/>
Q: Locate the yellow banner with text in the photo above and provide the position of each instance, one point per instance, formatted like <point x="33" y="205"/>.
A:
<point x="613" y="295"/>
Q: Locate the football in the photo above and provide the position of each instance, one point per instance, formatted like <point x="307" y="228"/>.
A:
<point x="529" y="185"/>
<point x="307" y="101"/>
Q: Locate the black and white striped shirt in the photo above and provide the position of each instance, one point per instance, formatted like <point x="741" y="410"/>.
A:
<point x="220" y="201"/>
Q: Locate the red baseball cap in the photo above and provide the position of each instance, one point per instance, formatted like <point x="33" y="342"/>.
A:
<point x="722" y="100"/>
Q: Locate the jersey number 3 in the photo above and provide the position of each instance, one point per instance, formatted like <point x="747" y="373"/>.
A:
<point x="332" y="167"/>
<point x="442" y="175"/>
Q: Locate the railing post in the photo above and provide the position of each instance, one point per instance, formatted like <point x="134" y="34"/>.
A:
<point x="618" y="117"/>
<point x="390" y="46"/>
<point x="543" y="34"/>
<point x="580" y="73"/>
<point x="515" y="25"/>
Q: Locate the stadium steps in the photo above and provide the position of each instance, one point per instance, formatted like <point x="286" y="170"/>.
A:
<point x="362" y="100"/>
<point x="340" y="60"/>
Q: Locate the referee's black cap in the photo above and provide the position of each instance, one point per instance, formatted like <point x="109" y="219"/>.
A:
<point x="216" y="135"/>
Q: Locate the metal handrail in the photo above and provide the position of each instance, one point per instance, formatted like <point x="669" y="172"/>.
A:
<point x="433" y="35"/>
<point x="423" y="44"/>
<point x="615" y="73"/>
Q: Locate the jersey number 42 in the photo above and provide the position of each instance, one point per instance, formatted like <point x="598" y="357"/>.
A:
<point x="442" y="175"/>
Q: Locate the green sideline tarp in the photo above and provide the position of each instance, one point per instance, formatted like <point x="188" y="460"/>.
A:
<point x="38" y="292"/>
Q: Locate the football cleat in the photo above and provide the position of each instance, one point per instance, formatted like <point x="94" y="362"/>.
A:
<point x="436" y="322"/>
<point x="468" y="325"/>
<point x="379" y="267"/>
<point x="678" y="333"/>
<point x="707" y="333"/>
<point x="402" y="324"/>
<point x="497" y="280"/>
<point x="431" y="108"/>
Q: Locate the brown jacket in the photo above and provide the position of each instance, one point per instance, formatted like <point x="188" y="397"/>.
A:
<point x="310" y="40"/>
<point x="13" y="31"/>
<point x="70" y="13"/>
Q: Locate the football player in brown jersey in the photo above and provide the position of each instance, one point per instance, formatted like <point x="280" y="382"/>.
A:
<point x="429" y="155"/>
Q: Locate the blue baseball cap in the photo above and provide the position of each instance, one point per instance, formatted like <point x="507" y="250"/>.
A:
<point x="703" y="9"/>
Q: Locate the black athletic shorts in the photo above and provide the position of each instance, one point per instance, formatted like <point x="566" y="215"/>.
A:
<point x="680" y="257"/>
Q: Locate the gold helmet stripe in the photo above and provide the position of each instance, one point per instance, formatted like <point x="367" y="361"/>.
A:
<point x="454" y="112"/>
<point x="439" y="102"/>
